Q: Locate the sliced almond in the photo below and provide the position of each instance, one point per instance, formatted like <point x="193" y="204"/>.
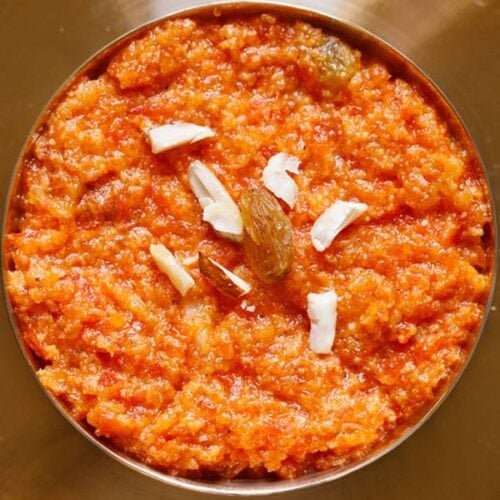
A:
<point x="191" y="260"/>
<point x="223" y="279"/>
<point x="219" y="209"/>
<point x="206" y="186"/>
<point x="333" y="220"/>
<point x="169" y="265"/>
<point x="177" y="134"/>
<point x="224" y="219"/>
<point x="277" y="180"/>
<point x="322" y="312"/>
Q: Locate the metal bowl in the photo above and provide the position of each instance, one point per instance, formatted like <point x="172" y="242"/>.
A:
<point x="400" y="66"/>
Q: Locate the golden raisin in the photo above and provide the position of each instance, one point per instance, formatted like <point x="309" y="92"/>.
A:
<point x="338" y="62"/>
<point x="268" y="242"/>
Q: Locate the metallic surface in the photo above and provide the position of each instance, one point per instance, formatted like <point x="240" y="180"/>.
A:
<point x="455" y="453"/>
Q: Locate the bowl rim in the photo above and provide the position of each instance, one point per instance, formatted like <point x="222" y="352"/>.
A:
<point x="357" y="36"/>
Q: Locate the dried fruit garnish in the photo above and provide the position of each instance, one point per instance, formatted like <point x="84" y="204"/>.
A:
<point x="268" y="242"/>
<point x="223" y="279"/>
<point x="338" y="62"/>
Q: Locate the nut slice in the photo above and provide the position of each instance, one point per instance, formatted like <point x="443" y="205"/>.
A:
<point x="333" y="220"/>
<point x="219" y="209"/>
<point x="176" y="134"/>
<point x="277" y="180"/>
<point x="223" y="279"/>
<point x="322" y="311"/>
<point x="169" y="265"/>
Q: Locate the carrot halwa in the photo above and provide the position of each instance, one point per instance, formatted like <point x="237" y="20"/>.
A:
<point x="211" y="384"/>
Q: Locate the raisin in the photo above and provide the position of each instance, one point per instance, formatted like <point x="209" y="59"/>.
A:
<point x="338" y="63"/>
<point x="268" y="241"/>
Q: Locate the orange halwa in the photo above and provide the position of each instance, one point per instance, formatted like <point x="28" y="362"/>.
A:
<point x="205" y="384"/>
